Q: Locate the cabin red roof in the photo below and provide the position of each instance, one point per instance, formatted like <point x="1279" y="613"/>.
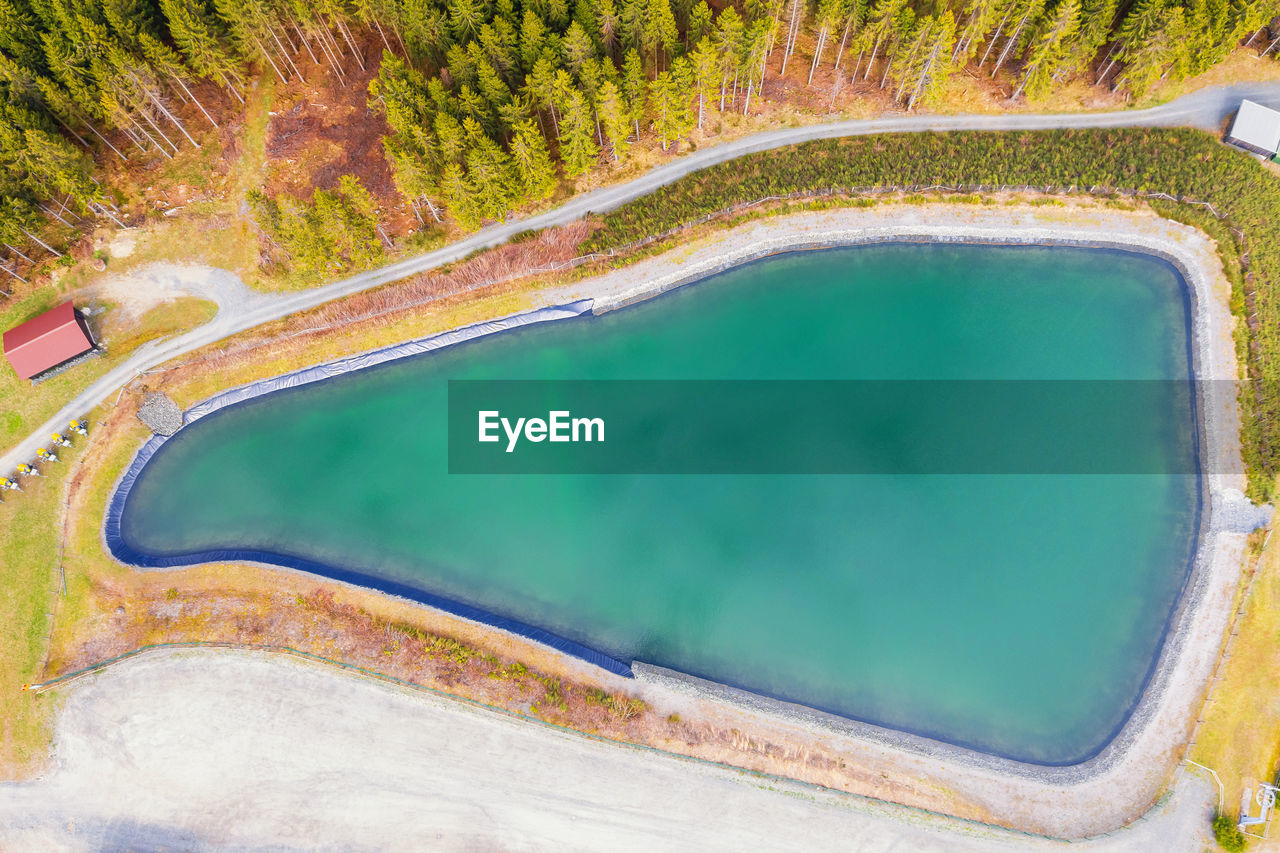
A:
<point x="46" y="341"/>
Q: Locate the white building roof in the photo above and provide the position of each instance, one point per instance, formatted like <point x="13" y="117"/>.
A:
<point x="1257" y="126"/>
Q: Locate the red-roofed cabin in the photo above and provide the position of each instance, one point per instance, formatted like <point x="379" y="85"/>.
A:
<point x="46" y="341"/>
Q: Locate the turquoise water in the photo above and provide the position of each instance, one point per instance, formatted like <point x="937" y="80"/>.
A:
<point x="1014" y="614"/>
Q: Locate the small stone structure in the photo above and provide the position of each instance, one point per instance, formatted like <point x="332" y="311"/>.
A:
<point x="1234" y="512"/>
<point x="160" y="414"/>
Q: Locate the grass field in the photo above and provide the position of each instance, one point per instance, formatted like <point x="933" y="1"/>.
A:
<point x="28" y="574"/>
<point x="1240" y="735"/>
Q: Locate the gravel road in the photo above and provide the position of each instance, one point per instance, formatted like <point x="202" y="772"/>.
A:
<point x="187" y="750"/>
<point x="242" y="309"/>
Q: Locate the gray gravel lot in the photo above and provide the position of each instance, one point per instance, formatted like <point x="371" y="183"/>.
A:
<point x="188" y="750"/>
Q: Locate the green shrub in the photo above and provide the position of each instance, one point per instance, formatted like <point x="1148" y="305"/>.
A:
<point x="1228" y="837"/>
<point x="554" y="694"/>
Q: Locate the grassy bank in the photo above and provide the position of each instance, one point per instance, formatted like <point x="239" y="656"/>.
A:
<point x="28" y="575"/>
<point x="1182" y="163"/>
<point x="1239" y="737"/>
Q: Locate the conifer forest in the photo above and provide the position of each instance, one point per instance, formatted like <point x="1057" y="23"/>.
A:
<point x="491" y="103"/>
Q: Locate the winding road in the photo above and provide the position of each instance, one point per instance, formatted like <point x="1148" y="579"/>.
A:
<point x="241" y="309"/>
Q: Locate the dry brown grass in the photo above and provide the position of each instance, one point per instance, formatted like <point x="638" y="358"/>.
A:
<point x="1240" y="735"/>
<point x="496" y="282"/>
<point x="539" y="253"/>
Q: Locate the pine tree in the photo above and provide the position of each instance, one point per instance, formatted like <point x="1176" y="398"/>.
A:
<point x="541" y="87"/>
<point x="532" y="162"/>
<point x="701" y="23"/>
<point x="204" y="43"/>
<point x="751" y="62"/>
<point x="607" y="25"/>
<point x="705" y="60"/>
<point x="1141" y="24"/>
<point x="460" y="196"/>
<point x="854" y="12"/>
<point x="578" y="47"/>
<point x="730" y="32"/>
<point x="924" y="62"/>
<point x="1025" y="13"/>
<point x="880" y="28"/>
<point x="1096" y="20"/>
<point x="1050" y="50"/>
<point x="829" y="15"/>
<point x="636" y="89"/>
<point x="533" y="38"/>
<point x="615" y="119"/>
<point x="980" y="17"/>
<point x="669" y="96"/>
<point x="578" y="148"/>
<point x="660" y="32"/>
<point x="465" y="17"/>
<point x="1147" y="59"/>
<point x="490" y="173"/>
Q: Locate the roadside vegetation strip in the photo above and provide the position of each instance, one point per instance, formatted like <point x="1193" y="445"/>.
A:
<point x="1175" y="163"/>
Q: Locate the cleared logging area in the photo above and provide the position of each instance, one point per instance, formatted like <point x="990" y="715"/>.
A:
<point x="1190" y="171"/>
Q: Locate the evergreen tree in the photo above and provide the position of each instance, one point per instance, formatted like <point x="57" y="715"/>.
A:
<point x="1050" y="51"/>
<point x="730" y="32"/>
<point x="532" y="162"/>
<point x="924" y="63"/>
<point x="1096" y="20"/>
<point x="578" y="148"/>
<point x="660" y="34"/>
<point x="635" y="87"/>
<point x="460" y="196"/>
<point x="669" y="96"/>
<point x="615" y="119"/>
<point x="705" y="61"/>
<point x="607" y="25"/>
<point x="204" y="42"/>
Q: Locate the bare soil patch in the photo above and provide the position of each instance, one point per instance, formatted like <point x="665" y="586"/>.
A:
<point x="322" y="129"/>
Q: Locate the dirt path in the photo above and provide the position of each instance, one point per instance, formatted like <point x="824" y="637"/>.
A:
<point x="1206" y="109"/>
<point x="239" y="750"/>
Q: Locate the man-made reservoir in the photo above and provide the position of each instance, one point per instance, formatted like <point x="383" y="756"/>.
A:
<point x="1014" y="613"/>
